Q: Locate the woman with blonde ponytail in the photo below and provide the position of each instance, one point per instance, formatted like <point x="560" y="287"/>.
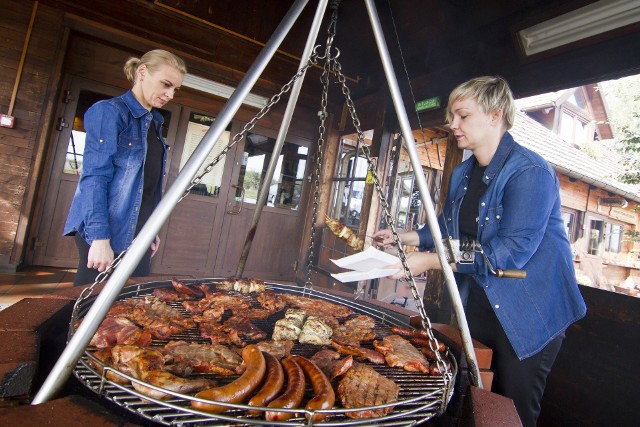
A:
<point x="124" y="161"/>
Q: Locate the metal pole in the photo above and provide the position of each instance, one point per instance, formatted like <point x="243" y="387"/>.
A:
<point x="284" y="128"/>
<point x="432" y="219"/>
<point x="69" y="357"/>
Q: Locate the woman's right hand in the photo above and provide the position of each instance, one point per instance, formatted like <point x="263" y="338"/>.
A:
<point x="383" y="239"/>
<point x="100" y="255"/>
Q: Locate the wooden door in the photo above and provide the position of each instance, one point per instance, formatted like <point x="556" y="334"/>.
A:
<point x="277" y="240"/>
<point x="207" y="230"/>
<point x="50" y="247"/>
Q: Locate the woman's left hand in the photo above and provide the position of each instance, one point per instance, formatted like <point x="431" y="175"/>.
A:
<point x="155" y="245"/>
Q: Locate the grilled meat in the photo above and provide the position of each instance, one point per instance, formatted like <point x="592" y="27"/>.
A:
<point x="362" y="386"/>
<point x="360" y="353"/>
<point x="170" y="382"/>
<point x="243" y="285"/>
<point x="244" y="328"/>
<point x="219" y="334"/>
<point x="212" y="358"/>
<point x="315" y="331"/>
<point x="278" y="349"/>
<point x="253" y="313"/>
<point x="355" y="331"/>
<point x="119" y="330"/>
<point x="398" y="352"/>
<point x="289" y="328"/>
<point x="317" y="306"/>
<point x="160" y="319"/>
<point x="189" y="291"/>
<point x="330" y="363"/>
<point x="271" y="301"/>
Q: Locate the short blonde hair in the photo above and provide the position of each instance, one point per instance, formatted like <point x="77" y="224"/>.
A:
<point x="490" y="92"/>
<point x="153" y="59"/>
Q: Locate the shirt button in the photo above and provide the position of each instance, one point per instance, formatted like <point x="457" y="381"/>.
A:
<point x="486" y="218"/>
<point x="497" y="216"/>
<point x="129" y="144"/>
<point x="465" y="188"/>
<point x="486" y="177"/>
<point x="483" y="203"/>
<point x="497" y="306"/>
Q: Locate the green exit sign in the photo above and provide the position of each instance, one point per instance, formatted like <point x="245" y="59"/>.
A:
<point x="428" y="104"/>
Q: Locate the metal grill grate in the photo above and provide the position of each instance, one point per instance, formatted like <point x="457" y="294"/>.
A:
<point x="421" y="396"/>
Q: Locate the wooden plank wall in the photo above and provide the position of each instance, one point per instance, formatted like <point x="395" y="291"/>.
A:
<point x="20" y="156"/>
<point x="595" y="379"/>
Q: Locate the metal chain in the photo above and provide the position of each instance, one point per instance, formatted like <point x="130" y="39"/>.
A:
<point x="426" y="323"/>
<point x="86" y="293"/>
<point x="317" y="172"/>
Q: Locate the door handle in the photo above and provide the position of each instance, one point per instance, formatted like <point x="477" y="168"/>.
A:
<point x="237" y="211"/>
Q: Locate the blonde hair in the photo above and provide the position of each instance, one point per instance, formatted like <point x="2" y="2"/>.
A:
<point x="490" y="92"/>
<point x="153" y="59"/>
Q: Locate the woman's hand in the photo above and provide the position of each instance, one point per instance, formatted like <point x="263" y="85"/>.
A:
<point x="100" y="255"/>
<point x="155" y="245"/>
<point x="418" y="262"/>
<point x="383" y="239"/>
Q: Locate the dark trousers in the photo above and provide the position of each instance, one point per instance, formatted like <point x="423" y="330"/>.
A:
<point x="523" y="381"/>
<point x="85" y="276"/>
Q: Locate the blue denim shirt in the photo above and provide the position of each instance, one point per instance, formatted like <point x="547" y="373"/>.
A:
<point x="520" y="227"/>
<point x="107" y="200"/>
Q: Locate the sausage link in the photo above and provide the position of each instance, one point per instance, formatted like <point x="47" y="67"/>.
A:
<point x="293" y="394"/>
<point x="273" y="382"/>
<point x="236" y="391"/>
<point x="324" y="396"/>
<point x="425" y="342"/>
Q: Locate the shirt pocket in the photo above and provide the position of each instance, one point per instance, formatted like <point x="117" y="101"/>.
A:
<point x="130" y="151"/>
<point x="491" y="220"/>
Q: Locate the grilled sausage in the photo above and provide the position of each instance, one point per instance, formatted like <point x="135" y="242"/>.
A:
<point x="273" y="383"/>
<point x="236" y="391"/>
<point x="293" y="394"/>
<point x="324" y="397"/>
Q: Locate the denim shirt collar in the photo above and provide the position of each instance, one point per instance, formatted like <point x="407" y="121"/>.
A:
<point x="505" y="147"/>
<point x="137" y="110"/>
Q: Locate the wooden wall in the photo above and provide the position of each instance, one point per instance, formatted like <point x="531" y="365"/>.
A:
<point x="21" y="148"/>
<point x="595" y="379"/>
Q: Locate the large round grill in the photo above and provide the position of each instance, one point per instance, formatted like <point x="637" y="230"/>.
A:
<point x="421" y="396"/>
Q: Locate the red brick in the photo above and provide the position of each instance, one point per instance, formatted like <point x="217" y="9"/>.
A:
<point x="30" y="314"/>
<point x="70" y="411"/>
<point x="452" y="334"/>
<point x="486" y="409"/>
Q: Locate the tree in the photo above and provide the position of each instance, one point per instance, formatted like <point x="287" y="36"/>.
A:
<point x="623" y="101"/>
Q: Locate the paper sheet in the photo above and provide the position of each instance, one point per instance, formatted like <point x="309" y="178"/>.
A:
<point x="366" y="265"/>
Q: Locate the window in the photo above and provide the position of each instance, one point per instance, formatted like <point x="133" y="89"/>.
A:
<point x="288" y="178"/>
<point x="572" y="128"/>
<point x="569" y="221"/>
<point x="613" y="238"/>
<point x="596" y="231"/>
<point x="198" y="126"/>
<point x="349" y="181"/>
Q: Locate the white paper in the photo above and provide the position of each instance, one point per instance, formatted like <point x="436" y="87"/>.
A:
<point x="368" y="264"/>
